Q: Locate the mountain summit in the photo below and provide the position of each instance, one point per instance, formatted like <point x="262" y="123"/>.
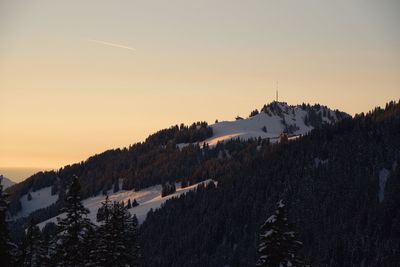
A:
<point x="273" y="120"/>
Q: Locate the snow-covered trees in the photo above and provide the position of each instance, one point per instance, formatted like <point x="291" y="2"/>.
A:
<point x="33" y="251"/>
<point x="122" y="234"/>
<point x="103" y="213"/>
<point x="101" y="255"/>
<point x="278" y="245"/>
<point x="116" y="237"/>
<point x="73" y="231"/>
<point x="5" y="244"/>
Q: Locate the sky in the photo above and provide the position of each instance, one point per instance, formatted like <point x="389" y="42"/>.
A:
<point x="80" y="77"/>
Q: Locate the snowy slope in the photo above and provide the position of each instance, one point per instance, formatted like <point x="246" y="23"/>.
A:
<point x="273" y="120"/>
<point x="276" y="117"/>
<point x="40" y="199"/>
<point x="149" y="198"/>
<point x="6" y="182"/>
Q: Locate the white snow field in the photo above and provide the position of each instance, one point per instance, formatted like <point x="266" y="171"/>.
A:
<point x="252" y="127"/>
<point x="40" y="199"/>
<point x="149" y="198"/>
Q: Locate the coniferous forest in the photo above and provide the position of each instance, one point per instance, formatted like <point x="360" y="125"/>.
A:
<point x="330" y="182"/>
<point x="318" y="200"/>
<point x="75" y="241"/>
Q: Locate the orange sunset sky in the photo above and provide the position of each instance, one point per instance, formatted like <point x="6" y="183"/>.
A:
<point x="80" y="77"/>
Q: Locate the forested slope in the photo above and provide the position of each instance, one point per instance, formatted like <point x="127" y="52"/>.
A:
<point x="330" y="180"/>
<point x="155" y="161"/>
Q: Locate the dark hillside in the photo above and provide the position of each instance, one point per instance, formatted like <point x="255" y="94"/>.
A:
<point x="330" y="180"/>
<point x="154" y="161"/>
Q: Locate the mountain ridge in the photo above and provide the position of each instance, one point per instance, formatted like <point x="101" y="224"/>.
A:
<point x="155" y="160"/>
<point x="340" y="182"/>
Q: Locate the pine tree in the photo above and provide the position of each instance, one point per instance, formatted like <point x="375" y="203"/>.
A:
<point x="73" y="231"/>
<point x="117" y="241"/>
<point x="278" y="245"/>
<point x="136" y="255"/>
<point x="135" y="203"/>
<point x="103" y="213"/>
<point x="264" y="129"/>
<point x="5" y="245"/>
<point x="101" y="254"/>
<point x="129" y="205"/>
<point x="121" y="234"/>
<point x="33" y="249"/>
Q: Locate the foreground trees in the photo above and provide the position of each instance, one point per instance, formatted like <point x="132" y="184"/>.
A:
<point x="5" y="245"/>
<point x="73" y="231"/>
<point x="33" y="251"/>
<point x="116" y="237"/>
<point x="76" y="241"/>
<point x="80" y="243"/>
<point x="278" y="245"/>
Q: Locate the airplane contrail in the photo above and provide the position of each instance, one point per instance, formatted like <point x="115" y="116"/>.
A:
<point x="112" y="44"/>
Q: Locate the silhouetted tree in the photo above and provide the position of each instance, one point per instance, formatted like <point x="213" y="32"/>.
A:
<point x="34" y="252"/>
<point x="73" y="231"/>
<point x="278" y="245"/>
<point x="129" y="205"/>
<point x="6" y="246"/>
<point x="135" y="203"/>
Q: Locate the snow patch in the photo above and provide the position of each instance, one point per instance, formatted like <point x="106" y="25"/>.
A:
<point x="253" y="127"/>
<point x="383" y="175"/>
<point x="40" y="199"/>
<point x="271" y="219"/>
<point x="6" y="182"/>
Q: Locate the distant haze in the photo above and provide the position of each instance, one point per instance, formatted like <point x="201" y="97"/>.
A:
<point x="19" y="174"/>
<point x="80" y="77"/>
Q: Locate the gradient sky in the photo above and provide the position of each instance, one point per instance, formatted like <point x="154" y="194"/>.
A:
<point x="79" y="77"/>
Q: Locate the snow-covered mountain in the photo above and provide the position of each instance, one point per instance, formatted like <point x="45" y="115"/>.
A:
<point x="273" y="120"/>
<point x="6" y="182"/>
<point x="270" y="122"/>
